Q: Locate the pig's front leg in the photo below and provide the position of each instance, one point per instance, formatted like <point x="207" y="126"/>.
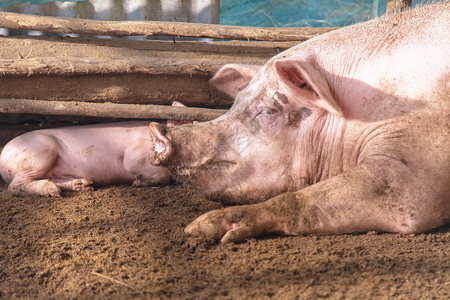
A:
<point x="377" y="195"/>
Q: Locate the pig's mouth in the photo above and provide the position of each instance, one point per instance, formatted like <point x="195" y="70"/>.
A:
<point x="214" y="178"/>
<point x="217" y="163"/>
<point x="210" y="165"/>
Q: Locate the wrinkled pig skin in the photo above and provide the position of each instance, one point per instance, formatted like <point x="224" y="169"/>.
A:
<point x="347" y="132"/>
<point x="44" y="162"/>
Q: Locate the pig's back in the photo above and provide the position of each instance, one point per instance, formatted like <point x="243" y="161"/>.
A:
<point x="108" y="136"/>
<point x="385" y="67"/>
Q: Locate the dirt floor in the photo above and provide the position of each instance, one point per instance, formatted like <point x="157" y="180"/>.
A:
<point x="121" y="242"/>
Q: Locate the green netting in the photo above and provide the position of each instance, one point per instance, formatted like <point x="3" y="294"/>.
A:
<point x="302" y="13"/>
<point x="298" y="13"/>
<point x="6" y="3"/>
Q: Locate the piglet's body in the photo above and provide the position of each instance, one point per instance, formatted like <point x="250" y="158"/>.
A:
<point x="44" y="162"/>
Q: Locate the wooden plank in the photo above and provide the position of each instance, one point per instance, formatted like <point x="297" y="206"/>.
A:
<point x="122" y="70"/>
<point x="154" y="28"/>
<point x="64" y="66"/>
<point x="113" y="110"/>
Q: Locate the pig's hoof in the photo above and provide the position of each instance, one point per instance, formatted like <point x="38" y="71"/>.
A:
<point x="52" y="194"/>
<point x="207" y="226"/>
<point x="82" y="184"/>
<point x="138" y="183"/>
<point x="49" y="189"/>
<point x="228" y="225"/>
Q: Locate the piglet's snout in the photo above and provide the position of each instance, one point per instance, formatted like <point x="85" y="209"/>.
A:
<point x="161" y="147"/>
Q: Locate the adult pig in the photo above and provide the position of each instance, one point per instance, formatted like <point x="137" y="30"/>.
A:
<point x="44" y="162"/>
<point x="347" y="132"/>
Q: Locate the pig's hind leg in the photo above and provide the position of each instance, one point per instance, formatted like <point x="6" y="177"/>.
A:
<point x="42" y="187"/>
<point x="28" y="159"/>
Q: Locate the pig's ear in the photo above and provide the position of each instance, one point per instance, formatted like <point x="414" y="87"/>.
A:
<point x="307" y="84"/>
<point x="232" y="78"/>
<point x="162" y="148"/>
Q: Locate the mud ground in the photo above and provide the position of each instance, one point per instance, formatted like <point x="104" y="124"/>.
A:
<point x="121" y="242"/>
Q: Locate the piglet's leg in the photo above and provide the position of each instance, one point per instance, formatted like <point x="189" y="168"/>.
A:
<point x="42" y="187"/>
<point x="27" y="159"/>
<point x="73" y="184"/>
<point x="376" y="195"/>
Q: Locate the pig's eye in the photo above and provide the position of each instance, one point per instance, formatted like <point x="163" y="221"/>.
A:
<point x="267" y="111"/>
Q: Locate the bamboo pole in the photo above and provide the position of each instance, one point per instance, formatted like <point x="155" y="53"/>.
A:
<point x="65" y="66"/>
<point x="154" y="28"/>
<point x="110" y="110"/>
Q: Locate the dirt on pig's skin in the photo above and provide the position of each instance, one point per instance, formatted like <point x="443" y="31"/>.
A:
<point x="122" y="242"/>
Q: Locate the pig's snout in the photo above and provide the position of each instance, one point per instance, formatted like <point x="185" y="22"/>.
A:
<point x="161" y="146"/>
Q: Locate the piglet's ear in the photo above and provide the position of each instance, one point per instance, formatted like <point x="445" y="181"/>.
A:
<point x="307" y="84"/>
<point x="172" y="123"/>
<point x="233" y="78"/>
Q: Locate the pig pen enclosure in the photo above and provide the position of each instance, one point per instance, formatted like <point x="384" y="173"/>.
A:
<point x="121" y="242"/>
